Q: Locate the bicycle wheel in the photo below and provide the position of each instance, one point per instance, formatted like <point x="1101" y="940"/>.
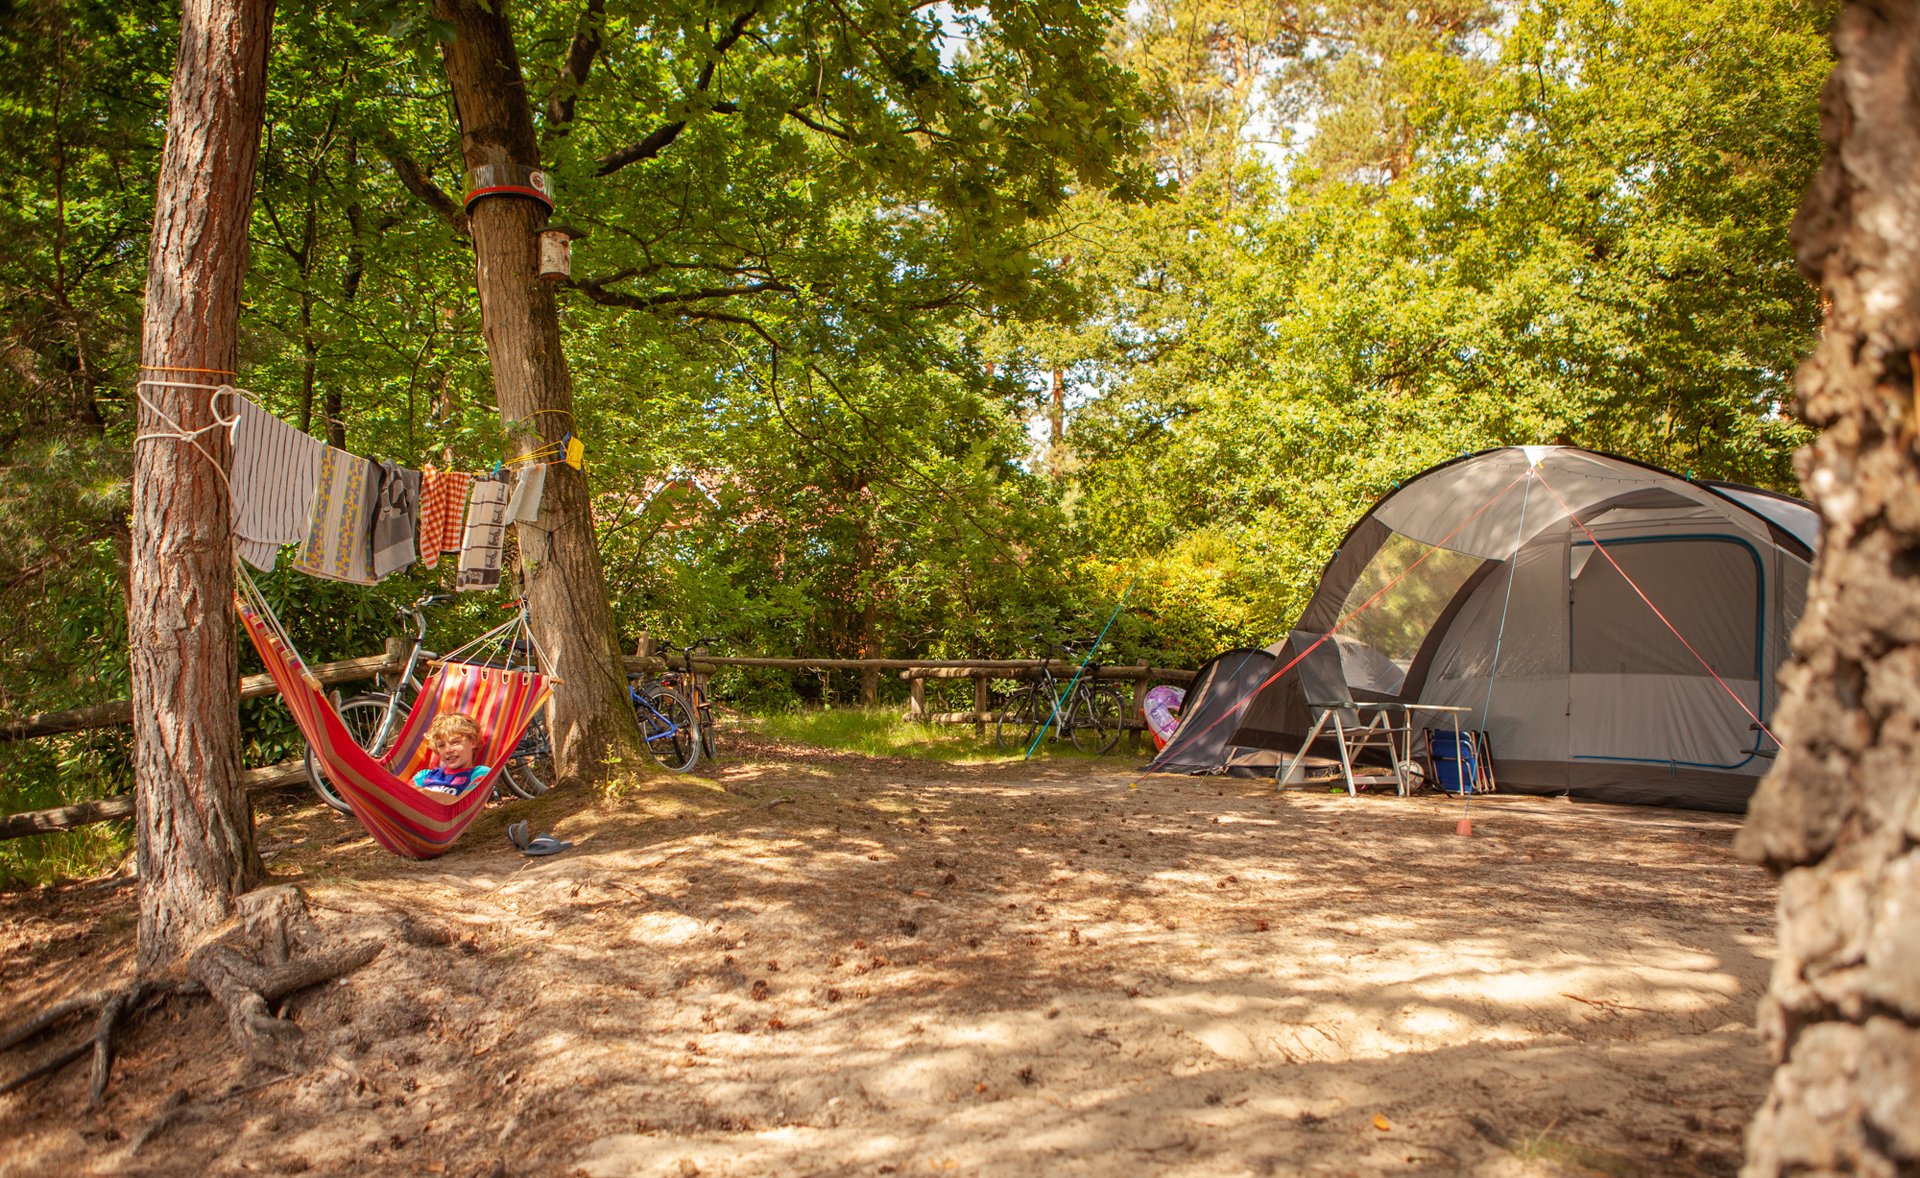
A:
<point x="667" y="724"/>
<point x="528" y="772"/>
<point x="362" y="715"/>
<point x="1019" y="719"/>
<point x="1097" y="716"/>
<point x="704" y="714"/>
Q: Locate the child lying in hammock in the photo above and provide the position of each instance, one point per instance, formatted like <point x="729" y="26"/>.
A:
<point x="457" y="741"/>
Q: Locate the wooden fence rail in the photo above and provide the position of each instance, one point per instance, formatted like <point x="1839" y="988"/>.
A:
<point x="13" y="826"/>
<point x="120" y="711"/>
<point x="915" y="671"/>
<point x="1141" y="676"/>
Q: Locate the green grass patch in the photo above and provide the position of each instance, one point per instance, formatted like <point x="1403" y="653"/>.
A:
<point x="81" y="853"/>
<point x="880" y="731"/>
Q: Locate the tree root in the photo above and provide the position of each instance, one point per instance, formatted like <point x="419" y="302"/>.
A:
<point x="272" y="923"/>
<point x="179" y="1107"/>
<point x="113" y="1006"/>
<point x="248" y="966"/>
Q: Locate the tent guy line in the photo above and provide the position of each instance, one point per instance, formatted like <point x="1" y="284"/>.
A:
<point x="1641" y="593"/>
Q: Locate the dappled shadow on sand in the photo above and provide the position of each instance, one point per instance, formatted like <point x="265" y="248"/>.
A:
<point x="825" y="963"/>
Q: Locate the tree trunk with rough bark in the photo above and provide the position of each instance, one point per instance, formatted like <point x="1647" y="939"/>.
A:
<point x="593" y="725"/>
<point x="1839" y="816"/>
<point x="194" y="827"/>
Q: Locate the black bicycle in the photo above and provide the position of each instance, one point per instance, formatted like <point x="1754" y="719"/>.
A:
<point x="692" y="687"/>
<point x="1090" y="714"/>
<point x="374" y="719"/>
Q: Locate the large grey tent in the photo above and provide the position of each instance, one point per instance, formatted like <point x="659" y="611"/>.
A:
<point x="1615" y="628"/>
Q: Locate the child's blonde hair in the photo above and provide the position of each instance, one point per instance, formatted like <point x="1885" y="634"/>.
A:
<point x="451" y="724"/>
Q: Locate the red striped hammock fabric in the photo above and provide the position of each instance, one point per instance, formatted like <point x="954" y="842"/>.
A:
<point x="407" y="821"/>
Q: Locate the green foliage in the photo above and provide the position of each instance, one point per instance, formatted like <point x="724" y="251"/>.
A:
<point x="839" y="257"/>
<point x="1573" y="229"/>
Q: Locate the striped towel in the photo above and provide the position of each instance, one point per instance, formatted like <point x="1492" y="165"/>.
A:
<point x="338" y="544"/>
<point x="275" y="470"/>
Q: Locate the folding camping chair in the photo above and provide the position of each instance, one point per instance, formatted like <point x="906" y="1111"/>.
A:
<point x="1459" y="760"/>
<point x="1333" y="704"/>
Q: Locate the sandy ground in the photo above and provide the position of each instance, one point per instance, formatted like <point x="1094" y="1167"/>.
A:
<point x="820" y="963"/>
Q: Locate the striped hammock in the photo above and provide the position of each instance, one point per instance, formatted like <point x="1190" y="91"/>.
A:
<point x="407" y="821"/>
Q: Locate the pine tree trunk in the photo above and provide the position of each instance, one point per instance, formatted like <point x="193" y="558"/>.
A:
<point x="194" y="828"/>
<point x="593" y="725"/>
<point x="1839" y="816"/>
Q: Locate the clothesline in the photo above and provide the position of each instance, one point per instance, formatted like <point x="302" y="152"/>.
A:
<point x="357" y="520"/>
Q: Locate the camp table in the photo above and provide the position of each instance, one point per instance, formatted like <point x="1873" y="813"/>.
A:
<point x="1386" y="724"/>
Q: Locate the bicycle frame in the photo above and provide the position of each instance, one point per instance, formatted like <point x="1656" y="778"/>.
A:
<point x="406" y="679"/>
<point x="1062" y="704"/>
<point x="639" y="694"/>
<point x="691" y="685"/>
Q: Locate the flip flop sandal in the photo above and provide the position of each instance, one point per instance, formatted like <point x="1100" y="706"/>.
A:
<point x="519" y="835"/>
<point x="545" y="845"/>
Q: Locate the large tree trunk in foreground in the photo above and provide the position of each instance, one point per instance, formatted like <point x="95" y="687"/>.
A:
<point x="593" y="725"/>
<point x="195" y="830"/>
<point x="1839" y="816"/>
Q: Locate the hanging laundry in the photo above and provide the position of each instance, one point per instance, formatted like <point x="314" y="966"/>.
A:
<point x="443" y="500"/>
<point x="275" y="469"/>
<point x="338" y="543"/>
<point x="396" y="513"/>
<point x="524" y="506"/>
<point x="486" y="535"/>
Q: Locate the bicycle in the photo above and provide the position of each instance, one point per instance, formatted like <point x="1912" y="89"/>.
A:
<point x="1091" y="714"/>
<point x="373" y="719"/>
<point x="692" y="687"/>
<point x="666" y="723"/>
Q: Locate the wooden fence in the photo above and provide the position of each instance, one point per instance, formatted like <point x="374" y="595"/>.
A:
<point x="389" y="664"/>
<point x="983" y="673"/>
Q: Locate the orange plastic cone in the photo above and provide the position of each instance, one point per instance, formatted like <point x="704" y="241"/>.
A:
<point x="1464" y="826"/>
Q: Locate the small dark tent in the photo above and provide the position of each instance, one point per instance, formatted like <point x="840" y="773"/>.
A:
<point x="1207" y="718"/>
<point x="1615" y="628"/>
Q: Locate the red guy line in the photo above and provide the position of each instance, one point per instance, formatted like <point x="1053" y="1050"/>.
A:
<point x="1602" y="548"/>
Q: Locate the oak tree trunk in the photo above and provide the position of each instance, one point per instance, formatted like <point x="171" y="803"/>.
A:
<point x="566" y="588"/>
<point x="194" y="828"/>
<point x="1839" y="816"/>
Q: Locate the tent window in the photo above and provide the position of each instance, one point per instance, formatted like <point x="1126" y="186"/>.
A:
<point x="1707" y="586"/>
<point x="1391" y="630"/>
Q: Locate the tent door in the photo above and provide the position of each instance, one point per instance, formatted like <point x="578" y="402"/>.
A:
<point x="1637" y="692"/>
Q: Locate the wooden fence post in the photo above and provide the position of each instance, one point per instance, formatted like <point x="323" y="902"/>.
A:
<point x="396" y="654"/>
<point x="979" y="704"/>
<point x="1140" y="683"/>
<point x="917" y="697"/>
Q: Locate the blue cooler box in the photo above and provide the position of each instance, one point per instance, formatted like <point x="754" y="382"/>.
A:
<point x="1455" y="768"/>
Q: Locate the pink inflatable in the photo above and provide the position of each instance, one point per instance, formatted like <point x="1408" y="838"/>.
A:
<point x="1162" y="706"/>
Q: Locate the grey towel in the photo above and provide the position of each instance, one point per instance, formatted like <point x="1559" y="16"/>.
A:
<point x="275" y="470"/>
<point x="396" y="515"/>
<point x="524" y="507"/>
